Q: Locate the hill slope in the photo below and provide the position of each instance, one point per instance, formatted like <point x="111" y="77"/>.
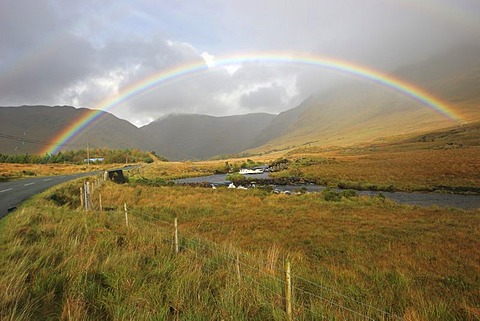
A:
<point x="184" y="136"/>
<point x="362" y="111"/>
<point x="42" y="123"/>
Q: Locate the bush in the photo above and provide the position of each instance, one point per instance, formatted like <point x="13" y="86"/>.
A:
<point x="331" y="196"/>
<point x="349" y="193"/>
<point x="235" y="177"/>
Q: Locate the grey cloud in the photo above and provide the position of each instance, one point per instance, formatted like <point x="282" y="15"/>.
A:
<point x="81" y="52"/>
<point x="265" y="98"/>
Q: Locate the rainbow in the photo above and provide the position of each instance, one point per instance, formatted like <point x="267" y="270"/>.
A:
<point x="188" y="69"/>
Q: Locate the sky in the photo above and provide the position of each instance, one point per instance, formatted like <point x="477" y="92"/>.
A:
<point x="80" y="53"/>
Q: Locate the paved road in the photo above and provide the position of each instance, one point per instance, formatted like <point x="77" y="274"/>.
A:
<point x="15" y="192"/>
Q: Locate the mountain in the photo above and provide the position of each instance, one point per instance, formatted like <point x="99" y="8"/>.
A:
<point x="358" y="111"/>
<point x="30" y="129"/>
<point x="453" y="76"/>
<point x="190" y="136"/>
<point x="34" y="127"/>
<point x="281" y="124"/>
<point x="361" y="111"/>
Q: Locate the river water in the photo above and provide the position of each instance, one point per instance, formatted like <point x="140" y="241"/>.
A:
<point x="420" y="199"/>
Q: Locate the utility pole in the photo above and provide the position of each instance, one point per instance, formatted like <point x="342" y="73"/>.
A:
<point x="88" y="156"/>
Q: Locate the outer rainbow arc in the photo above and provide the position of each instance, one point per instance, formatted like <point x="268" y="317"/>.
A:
<point x="164" y="76"/>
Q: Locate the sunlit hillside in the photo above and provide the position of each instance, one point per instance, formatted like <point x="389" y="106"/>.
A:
<point x="362" y="111"/>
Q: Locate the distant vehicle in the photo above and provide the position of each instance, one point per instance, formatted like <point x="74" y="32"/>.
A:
<point x="246" y="171"/>
<point x="94" y="160"/>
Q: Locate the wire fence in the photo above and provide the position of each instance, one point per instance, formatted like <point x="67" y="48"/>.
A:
<point x="314" y="299"/>
<point x="318" y="300"/>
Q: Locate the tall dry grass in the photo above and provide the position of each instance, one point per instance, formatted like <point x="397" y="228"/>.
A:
<point x="445" y="160"/>
<point x="14" y="171"/>
<point x="365" y="255"/>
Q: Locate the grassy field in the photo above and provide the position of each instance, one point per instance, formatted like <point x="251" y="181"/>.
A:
<point x="446" y="160"/>
<point x="356" y="259"/>
<point x="165" y="170"/>
<point x="15" y="171"/>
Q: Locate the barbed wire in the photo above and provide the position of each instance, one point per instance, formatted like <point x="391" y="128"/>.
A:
<point x="333" y="303"/>
<point x="348" y="297"/>
<point x="219" y="249"/>
<point x="251" y="279"/>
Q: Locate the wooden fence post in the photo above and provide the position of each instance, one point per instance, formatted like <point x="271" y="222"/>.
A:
<point x="126" y="214"/>
<point x="81" y="197"/>
<point x="176" y="236"/>
<point x="237" y="263"/>
<point x="288" y="290"/>
<point x="100" y="202"/>
<point x="87" y="196"/>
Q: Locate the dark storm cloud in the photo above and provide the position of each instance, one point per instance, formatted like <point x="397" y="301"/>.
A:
<point x="38" y="58"/>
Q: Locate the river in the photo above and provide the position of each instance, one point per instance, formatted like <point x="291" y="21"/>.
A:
<point x="421" y="199"/>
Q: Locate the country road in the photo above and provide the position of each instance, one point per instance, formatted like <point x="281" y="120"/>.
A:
<point x="15" y="192"/>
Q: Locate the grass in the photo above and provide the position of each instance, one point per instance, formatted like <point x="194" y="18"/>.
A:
<point x="403" y="171"/>
<point x="352" y="257"/>
<point x="445" y="160"/>
<point x="15" y="171"/>
<point x="176" y="170"/>
<point x="62" y="263"/>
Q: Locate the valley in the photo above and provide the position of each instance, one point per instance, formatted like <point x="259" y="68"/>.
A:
<point x="368" y="251"/>
<point x="352" y="256"/>
<point x="240" y="160"/>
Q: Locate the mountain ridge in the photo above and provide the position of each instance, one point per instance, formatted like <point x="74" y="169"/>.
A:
<point x="354" y="112"/>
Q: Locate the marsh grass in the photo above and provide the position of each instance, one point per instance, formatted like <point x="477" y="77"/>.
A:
<point x="15" y="171"/>
<point x="445" y="160"/>
<point x="354" y="259"/>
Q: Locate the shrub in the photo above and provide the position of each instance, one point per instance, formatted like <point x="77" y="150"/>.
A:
<point x="235" y="177"/>
<point x="148" y="160"/>
<point x="349" y="193"/>
<point x="331" y="196"/>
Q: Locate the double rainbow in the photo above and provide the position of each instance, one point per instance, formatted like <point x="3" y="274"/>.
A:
<point x="164" y="76"/>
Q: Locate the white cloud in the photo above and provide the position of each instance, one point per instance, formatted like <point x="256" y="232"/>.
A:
<point x="209" y="59"/>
